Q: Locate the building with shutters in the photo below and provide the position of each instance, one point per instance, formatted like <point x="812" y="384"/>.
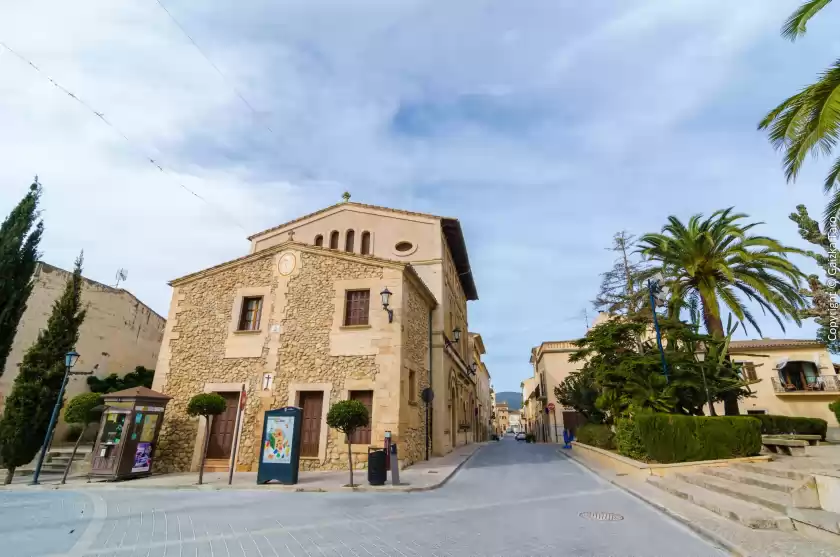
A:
<point x="300" y="321"/>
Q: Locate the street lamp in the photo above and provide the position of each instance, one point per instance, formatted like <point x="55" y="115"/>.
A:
<point x="658" y="294"/>
<point x="70" y="360"/>
<point x="456" y="334"/>
<point x="386" y="300"/>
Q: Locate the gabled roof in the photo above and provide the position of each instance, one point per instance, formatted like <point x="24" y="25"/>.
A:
<point x="137" y="392"/>
<point x="451" y="228"/>
<point x="409" y="270"/>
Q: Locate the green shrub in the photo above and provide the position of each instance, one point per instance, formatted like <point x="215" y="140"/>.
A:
<point x="675" y="438"/>
<point x="835" y="407"/>
<point x="206" y="404"/>
<point x="775" y="425"/>
<point x="628" y="442"/>
<point x="597" y="435"/>
<point x="530" y="438"/>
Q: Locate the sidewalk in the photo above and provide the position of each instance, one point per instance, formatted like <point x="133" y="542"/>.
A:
<point x="738" y="539"/>
<point x="422" y="476"/>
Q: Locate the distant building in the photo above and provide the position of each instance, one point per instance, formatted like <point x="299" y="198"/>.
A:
<point x="118" y="334"/>
<point x="514" y="419"/>
<point x="502" y="418"/>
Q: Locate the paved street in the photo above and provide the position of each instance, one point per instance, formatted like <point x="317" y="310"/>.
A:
<point x="511" y="499"/>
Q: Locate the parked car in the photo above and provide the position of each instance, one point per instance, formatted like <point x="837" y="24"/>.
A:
<point x="520" y="436"/>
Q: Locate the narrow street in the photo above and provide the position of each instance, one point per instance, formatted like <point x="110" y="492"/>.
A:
<point x="511" y="499"/>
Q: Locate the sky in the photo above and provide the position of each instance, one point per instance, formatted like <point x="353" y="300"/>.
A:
<point x="545" y="126"/>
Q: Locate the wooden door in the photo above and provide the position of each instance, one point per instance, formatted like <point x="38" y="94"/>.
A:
<point x="222" y="429"/>
<point x="311" y="402"/>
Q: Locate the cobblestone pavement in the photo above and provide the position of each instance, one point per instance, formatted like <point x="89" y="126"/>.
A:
<point x="511" y="499"/>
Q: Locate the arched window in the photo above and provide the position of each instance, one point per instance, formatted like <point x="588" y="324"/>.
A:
<point x="349" y="239"/>
<point x="334" y="239"/>
<point x="319" y="240"/>
<point x="365" y="243"/>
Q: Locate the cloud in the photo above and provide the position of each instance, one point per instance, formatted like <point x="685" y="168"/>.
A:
<point x="544" y="126"/>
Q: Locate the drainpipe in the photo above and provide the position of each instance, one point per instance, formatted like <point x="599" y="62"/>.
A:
<point x="428" y="437"/>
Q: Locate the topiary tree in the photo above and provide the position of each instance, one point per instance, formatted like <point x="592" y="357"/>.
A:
<point x="83" y="410"/>
<point x="347" y="416"/>
<point x="207" y="405"/>
<point x="835" y="407"/>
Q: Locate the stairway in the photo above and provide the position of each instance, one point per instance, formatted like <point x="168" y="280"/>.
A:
<point x="771" y="496"/>
<point x="57" y="459"/>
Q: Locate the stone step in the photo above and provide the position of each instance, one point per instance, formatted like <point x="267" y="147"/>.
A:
<point x="750" y="515"/>
<point x="771" y="470"/>
<point x="773" y="500"/>
<point x="816" y="518"/>
<point x="783" y="485"/>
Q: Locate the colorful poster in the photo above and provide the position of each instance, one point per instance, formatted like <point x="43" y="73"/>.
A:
<point x="142" y="458"/>
<point x="148" y="434"/>
<point x="277" y="445"/>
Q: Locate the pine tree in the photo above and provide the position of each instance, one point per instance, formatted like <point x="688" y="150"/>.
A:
<point x="823" y="294"/>
<point x="621" y="291"/>
<point x="35" y="390"/>
<point x="19" y="239"/>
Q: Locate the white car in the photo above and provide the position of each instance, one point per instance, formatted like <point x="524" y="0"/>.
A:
<point x="520" y="436"/>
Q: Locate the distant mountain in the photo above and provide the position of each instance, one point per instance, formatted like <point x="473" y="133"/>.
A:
<point x="513" y="399"/>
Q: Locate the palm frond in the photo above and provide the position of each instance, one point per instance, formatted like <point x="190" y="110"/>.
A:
<point x="795" y="26"/>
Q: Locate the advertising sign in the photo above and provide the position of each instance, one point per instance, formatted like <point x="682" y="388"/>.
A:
<point x="142" y="458"/>
<point x="280" y="447"/>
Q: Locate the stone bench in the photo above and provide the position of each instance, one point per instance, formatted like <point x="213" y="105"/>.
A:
<point x="788" y="446"/>
<point x="812" y="440"/>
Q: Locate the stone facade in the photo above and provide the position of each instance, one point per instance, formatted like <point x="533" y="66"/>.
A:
<point x="301" y="345"/>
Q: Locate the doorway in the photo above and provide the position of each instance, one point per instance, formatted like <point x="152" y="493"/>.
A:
<point x="311" y="403"/>
<point x="222" y="428"/>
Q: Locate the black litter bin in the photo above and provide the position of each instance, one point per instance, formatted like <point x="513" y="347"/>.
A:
<point x="377" y="473"/>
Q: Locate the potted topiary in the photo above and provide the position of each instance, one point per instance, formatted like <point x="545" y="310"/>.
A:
<point x="347" y="416"/>
<point x="207" y="405"/>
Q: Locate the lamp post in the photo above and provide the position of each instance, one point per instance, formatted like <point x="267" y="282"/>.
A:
<point x="658" y="293"/>
<point x="70" y="360"/>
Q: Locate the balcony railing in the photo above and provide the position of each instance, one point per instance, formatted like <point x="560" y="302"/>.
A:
<point x="823" y="383"/>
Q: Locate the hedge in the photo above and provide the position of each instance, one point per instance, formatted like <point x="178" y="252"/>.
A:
<point x="835" y="407"/>
<point x="776" y="425"/>
<point x="627" y="440"/>
<point x="597" y="435"/>
<point x="674" y="438"/>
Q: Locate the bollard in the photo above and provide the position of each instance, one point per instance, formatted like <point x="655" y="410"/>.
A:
<point x="395" y="465"/>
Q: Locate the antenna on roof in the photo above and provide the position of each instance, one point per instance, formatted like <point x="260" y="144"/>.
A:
<point x="583" y="313"/>
<point x="122" y="275"/>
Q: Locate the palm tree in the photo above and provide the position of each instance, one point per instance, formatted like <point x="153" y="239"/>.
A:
<point x="717" y="262"/>
<point x="809" y="121"/>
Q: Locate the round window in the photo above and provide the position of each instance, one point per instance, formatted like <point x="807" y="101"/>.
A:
<point x="403" y="247"/>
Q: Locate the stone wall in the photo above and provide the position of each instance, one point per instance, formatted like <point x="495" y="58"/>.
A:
<point x="415" y="358"/>
<point x="196" y="355"/>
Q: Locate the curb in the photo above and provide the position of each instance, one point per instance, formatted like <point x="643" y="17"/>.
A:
<point x="708" y="535"/>
<point x="114" y="486"/>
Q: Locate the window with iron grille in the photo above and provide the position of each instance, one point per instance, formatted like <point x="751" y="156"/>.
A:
<point x="249" y="317"/>
<point x="357" y="306"/>
<point x="362" y="435"/>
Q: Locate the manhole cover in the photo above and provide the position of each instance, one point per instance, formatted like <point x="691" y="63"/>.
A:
<point x="607" y="517"/>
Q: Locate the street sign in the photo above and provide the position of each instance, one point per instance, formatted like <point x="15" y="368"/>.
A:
<point x="243" y="396"/>
<point x="427" y="395"/>
<point x="551" y="407"/>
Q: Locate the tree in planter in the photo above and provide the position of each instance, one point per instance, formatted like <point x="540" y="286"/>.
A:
<point x="19" y="239"/>
<point x="206" y="405"/>
<point x="83" y="410"/>
<point x="347" y="416"/>
<point x="29" y="407"/>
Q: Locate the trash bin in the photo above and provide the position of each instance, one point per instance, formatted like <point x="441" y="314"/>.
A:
<point x="377" y="473"/>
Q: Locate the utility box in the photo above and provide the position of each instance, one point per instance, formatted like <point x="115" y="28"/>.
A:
<point x="128" y="434"/>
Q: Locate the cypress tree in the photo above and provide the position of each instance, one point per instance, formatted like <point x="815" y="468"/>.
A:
<point x="35" y="390"/>
<point x="19" y="239"/>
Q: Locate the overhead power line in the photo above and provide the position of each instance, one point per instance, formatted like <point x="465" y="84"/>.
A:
<point x="215" y="67"/>
<point x="101" y="116"/>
